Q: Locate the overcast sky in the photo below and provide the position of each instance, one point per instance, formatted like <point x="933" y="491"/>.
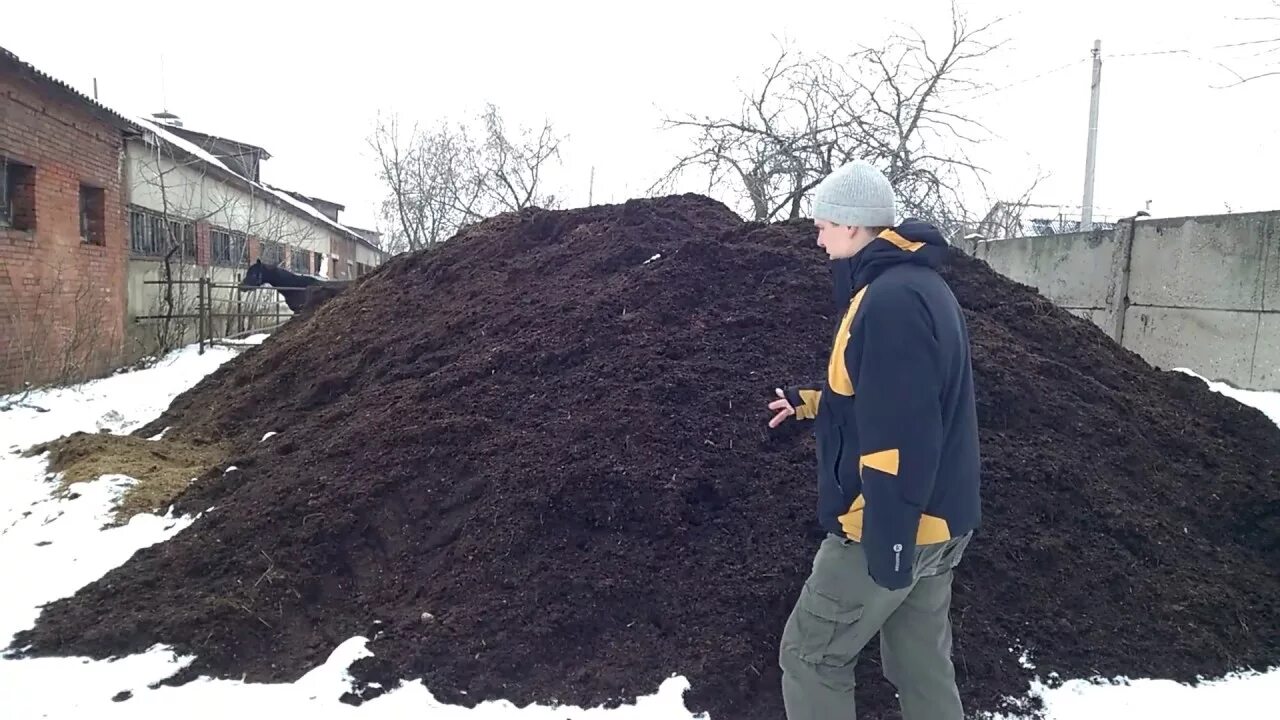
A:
<point x="307" y="83"/>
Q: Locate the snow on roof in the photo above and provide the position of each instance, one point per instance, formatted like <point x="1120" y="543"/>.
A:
<point x="161" y="132"/>
<point x="205" y="156"/>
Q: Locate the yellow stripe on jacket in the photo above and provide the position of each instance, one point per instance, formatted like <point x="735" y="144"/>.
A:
<point x="838" y="377"/>
<point x="932" y="529"/>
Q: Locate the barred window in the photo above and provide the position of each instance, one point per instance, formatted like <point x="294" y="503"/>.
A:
<point x="148" y="235"/>
<point x="17" y="195"/>
<point x="271" y="253"/>
<point x="93" y="218"/>
<point x="228" y="248"/>
<point x="300" y="261"/>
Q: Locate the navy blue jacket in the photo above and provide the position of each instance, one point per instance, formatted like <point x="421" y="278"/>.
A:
<point x="896" y="420"/>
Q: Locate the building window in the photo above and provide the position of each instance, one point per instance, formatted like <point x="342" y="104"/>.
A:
<point x="317" y="262"/>
<point x="152" y="235"/>
<point x="228" y="248"/>
<point x="300" y="261"/>
<point x="17" y="195"/>
<point x="271" y="253"/>
<point x="93" y="215"/>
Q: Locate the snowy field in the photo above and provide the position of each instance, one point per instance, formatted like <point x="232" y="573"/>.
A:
<point x="51" y="546"/>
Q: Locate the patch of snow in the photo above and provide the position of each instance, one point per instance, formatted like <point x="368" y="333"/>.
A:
<point x="1267" y="402"/>
<point x="655" y="257"/>
<point x="181" y="143"/>
<point x="308" y="209"/>
<point x="1239" y="695"/>
<point x="1025" y="660"/>
<point x="268" y="436"/>
<point x="117" y="404"/>
<point x="160" y="435"/>
<point x="230" y="468"/>
<point x="256" y="339"/>
<point x="74" y="542"/>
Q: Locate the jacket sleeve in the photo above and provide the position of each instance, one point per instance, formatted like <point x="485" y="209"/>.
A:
<point x="805" y="399"/>
<point x="898" y="411"/>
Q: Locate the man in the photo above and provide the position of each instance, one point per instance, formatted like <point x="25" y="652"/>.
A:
<point x="898" y="467"/>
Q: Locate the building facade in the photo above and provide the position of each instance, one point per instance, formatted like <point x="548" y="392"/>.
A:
<point x="63" y="233"/>
<point x="108" y="223"/>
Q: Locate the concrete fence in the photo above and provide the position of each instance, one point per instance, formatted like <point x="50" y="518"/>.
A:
<point x="1195" y="292"/>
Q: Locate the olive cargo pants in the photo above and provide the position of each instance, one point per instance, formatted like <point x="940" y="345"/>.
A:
<point x="841" y="609"/>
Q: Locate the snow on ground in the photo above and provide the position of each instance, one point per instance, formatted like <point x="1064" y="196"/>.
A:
<point x="118" y="404"/>
<point x="1242" y="695"/>
<point x="52" y="545"/>
<point x="1267" y="402"/>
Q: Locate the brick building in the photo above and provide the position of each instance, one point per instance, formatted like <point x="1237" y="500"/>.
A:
<point x="205" y="191"/>
<point x="109" y="222"/>
<point x="63" y="237"/>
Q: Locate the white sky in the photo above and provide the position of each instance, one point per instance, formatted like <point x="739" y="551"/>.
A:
<point x="307" y="83"/>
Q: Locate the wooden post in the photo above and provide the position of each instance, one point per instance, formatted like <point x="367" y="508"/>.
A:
<point x="200" y="311"/>
<point x="210" y="324"/>
<point x="240" y="319"/>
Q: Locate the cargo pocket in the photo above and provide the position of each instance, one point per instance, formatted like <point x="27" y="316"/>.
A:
<point x="823" y="631"/>
<point x="955" y="552"/>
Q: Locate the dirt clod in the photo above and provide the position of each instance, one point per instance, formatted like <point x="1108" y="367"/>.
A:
<point x="561" y="451"/>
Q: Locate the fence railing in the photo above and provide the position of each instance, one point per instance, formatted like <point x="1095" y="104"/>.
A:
<point x="206" y="312"/>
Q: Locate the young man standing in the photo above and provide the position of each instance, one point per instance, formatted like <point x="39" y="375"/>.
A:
<point x="898" y="466"/>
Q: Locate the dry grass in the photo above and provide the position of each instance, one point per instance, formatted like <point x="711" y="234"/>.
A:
<point x="163" y="468"/>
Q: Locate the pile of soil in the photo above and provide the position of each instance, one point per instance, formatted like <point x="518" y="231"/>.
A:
<point x="533" y="464"/>
<point x="163" y="468"/>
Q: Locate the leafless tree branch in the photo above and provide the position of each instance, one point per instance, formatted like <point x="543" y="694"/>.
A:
<point x="808" y="115"/>
<point x="437" y="181"/>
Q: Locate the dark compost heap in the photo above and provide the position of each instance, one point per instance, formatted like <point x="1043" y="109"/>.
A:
<point x="533" y="464"/>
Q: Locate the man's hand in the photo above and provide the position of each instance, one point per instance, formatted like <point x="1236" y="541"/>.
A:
<point x="782" y="409"/>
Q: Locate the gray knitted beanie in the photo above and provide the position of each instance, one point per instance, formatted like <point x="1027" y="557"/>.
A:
<point x="857" y="194"/>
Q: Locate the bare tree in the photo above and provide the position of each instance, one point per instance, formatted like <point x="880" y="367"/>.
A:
<point x="509" y="170"/>
<point x="425" y="199"/>
<point x="811" y="114"/>
<point x="442" y="179"/>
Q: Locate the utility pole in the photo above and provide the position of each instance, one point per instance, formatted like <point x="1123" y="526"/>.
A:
<point x="591" y="187"/>
<point x="1091" y="158"/>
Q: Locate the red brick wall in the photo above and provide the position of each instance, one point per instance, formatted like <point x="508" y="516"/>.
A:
<point x="346" y="251"/>
<point x="62" y="301"/>
<point x="204" y="253"/>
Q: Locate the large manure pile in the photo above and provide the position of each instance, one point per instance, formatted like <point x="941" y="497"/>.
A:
<point x="533" y="464"/>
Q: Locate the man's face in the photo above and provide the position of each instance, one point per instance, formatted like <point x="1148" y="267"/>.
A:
<point x="840" y="241"/>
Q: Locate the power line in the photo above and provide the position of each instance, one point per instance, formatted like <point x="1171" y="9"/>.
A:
<point x="1189" y="52"/>
<point x="1179" y="51"/>
<point x="1023" y="81"/>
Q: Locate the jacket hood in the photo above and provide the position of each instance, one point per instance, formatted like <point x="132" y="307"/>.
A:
<point x="914" y="242"/>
